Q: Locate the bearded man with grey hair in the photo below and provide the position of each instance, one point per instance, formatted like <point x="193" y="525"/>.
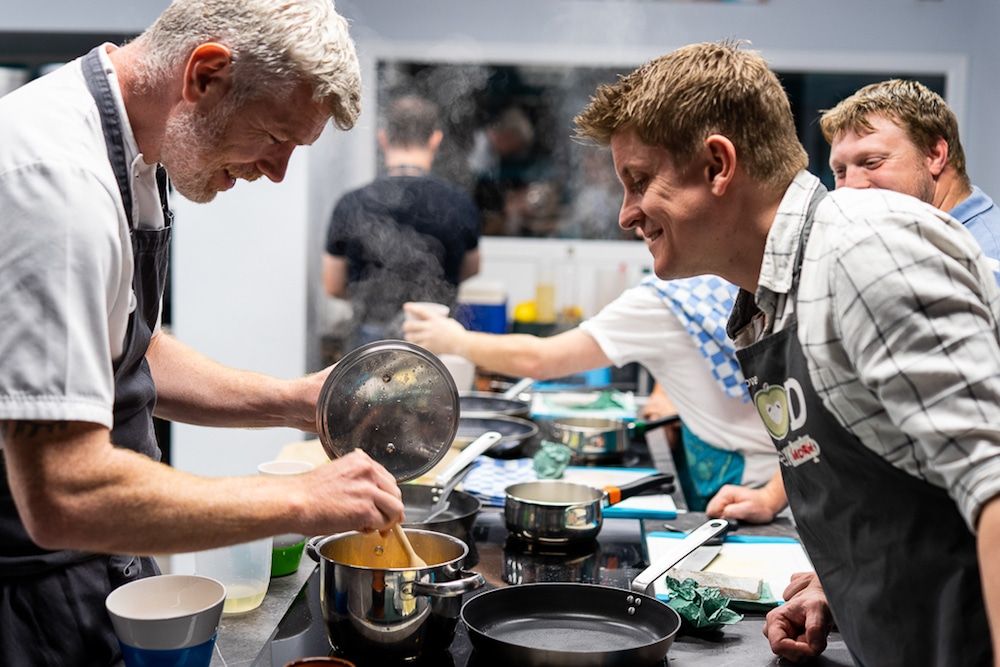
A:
<point x="214" y="91"/>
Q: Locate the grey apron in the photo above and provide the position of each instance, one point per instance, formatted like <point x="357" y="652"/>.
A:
<point x="895" y="557"/>
<point x="52" y="602"/>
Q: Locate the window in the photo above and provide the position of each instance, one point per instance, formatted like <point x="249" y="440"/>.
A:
<point x="508" y="138"/>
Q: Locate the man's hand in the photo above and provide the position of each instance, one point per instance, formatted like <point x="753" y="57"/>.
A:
<point x="800" y="581"/>
<point x="797" y="630"/>
<point x="745" y="504"/>
<point x="351" y="493"/>
<point x="440" y="335"/>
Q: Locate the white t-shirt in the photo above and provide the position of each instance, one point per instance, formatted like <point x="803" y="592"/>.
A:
<point x="639" y="327"/>
<point x="65" y="251"/>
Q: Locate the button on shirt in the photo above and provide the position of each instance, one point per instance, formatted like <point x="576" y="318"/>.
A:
<point x="65" y="250"/>
<point x="898" y="317"/>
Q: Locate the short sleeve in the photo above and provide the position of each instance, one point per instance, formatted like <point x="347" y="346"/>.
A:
<point x="633" y="325"/>
<point x="62" y="256"/>
<point x="337" y="234"/>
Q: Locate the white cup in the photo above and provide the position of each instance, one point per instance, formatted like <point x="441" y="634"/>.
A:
<point x="462" y="370"/>
<point x="435" y="309"/>
<point x="287" y="549"/>
<point x="244" y="569"/>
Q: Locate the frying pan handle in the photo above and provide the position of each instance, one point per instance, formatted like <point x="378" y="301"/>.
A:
<point x="697" y="537"/>
<point x="616" y="494"/>
<point x="474" y="449"/>
<point x="519" y="386"/>
<point x="469" y="581"/>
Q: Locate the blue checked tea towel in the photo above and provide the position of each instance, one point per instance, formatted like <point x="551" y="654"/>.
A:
<point x="703" y="304"/>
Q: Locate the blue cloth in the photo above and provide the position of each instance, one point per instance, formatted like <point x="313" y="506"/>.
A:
<point x="982" y="218"/>
<point x="705" y="469"/>
<point x="703" y="305"/>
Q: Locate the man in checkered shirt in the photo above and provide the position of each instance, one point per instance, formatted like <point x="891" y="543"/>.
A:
<point x="868" y="323"/>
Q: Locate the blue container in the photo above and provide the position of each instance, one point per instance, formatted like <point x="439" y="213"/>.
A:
<point x="192" y="656"/>
<point x="485" y="317"/>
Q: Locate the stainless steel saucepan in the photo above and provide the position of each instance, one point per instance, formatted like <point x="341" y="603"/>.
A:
<point x="562" y="512"/>
<point x="600" y="438"/>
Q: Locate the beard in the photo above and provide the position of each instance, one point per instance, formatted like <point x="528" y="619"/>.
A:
<point x="191" y="143"/>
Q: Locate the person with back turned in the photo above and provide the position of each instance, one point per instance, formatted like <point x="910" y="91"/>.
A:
<point x="213" y="91"/>
<point x="407" y="236"/>
<point x="867" y="331"/>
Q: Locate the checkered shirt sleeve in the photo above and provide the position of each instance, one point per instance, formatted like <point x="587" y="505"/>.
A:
<point x="898" y="318"/>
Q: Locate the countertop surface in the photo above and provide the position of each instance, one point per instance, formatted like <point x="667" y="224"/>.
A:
<point x="289" y="624"/>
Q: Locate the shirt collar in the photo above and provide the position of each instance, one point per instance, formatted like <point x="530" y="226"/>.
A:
<point x="132" y="154"/>
<point x="973" y="205"/>
<point x="782" y="242"/>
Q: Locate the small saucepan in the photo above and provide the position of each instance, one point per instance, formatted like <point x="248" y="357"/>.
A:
<point x="599" y="438"/>
<point x="377" y="606"/>
<point x="562" y="512"/>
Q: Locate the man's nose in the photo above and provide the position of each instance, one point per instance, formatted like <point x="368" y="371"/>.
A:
<point x="275" y="164"/>
<point x="855" y="177"/>
<point x="630" y="214"/>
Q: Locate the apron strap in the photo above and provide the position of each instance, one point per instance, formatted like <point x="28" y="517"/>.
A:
<point x="100" y="89"/>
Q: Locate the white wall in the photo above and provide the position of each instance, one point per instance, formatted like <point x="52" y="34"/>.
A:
<point x="246" y="267"/>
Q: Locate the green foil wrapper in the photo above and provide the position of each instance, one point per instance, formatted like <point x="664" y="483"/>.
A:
<point x="551" y="460"/>
<point x="701" y="608"/>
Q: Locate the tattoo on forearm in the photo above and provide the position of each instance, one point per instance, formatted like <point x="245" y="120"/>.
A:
<point x="30" y="430"/>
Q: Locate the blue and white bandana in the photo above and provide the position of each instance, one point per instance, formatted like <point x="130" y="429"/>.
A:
<point x="703" y="305"/>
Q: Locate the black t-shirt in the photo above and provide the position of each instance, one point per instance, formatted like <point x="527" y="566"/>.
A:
<point x="404" y="238"/>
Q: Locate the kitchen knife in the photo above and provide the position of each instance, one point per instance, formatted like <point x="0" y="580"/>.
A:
<point x="701" y="558"/>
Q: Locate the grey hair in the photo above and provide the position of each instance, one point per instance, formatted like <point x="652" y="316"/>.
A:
<point x="276" y="44"/>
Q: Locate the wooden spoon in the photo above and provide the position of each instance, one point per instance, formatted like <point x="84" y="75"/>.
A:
<point x="416" y="561"/>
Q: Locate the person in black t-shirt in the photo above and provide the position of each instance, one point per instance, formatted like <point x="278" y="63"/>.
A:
<point x="406" y="236"/>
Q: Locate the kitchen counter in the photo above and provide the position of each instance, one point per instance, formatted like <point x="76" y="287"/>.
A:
<point x="289" y="624"/>
<point x="241" y="636"/>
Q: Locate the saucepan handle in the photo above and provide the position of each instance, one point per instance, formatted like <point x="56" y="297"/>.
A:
<point x="312" y="547"/>
<point x="469" y="581"/>
<point x="697" y="537"/>
<point x="616" y="494"/>
<point x="639" y="427"/>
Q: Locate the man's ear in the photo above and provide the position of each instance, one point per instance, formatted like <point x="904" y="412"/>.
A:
<point x="721" y="163"/>
<point x="435" y="140"/>
<point x="937" y="157"/>
<point x="208" y="75"/>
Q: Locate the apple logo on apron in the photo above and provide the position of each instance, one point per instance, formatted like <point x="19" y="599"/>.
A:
<point x="781" y="407"/>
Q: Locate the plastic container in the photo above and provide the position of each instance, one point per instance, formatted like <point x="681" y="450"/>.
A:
<point x="463" y="371"/>
<point x="482" y="306"/>
<point x="286" y="552"/>
<point x="244" y="569"/>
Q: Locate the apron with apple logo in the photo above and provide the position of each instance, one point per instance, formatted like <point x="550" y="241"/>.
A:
<point x="895" y="557"/>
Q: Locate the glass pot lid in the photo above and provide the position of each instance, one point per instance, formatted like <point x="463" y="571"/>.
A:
<point x="394" y="400"/>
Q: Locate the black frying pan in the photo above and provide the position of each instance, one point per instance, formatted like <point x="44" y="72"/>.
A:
<point x="581" y="625"/>
<point x="486" y="404"/>
<point x="456" y="520"/>
<point x="514" y="431"/>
